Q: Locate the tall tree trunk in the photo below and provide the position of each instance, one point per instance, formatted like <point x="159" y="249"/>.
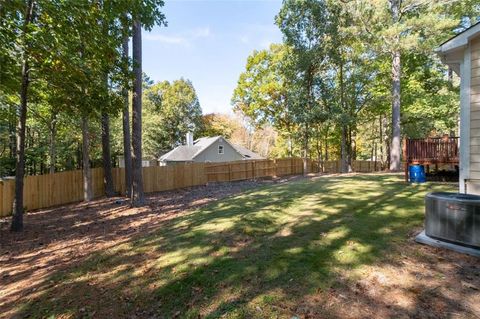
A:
<point x="382" y="141"/>
<point x="107" y="158"/>
<point x="105" y="120"/>
<point x="126" y="128"/>
<point x="305" y="150"/>
<point x="87" y="171"/>
<point x="319" y="149"/>
<point x="138" y="198"/>
<point x="53" y="150"/>
<point x="343" y="151"/>
<point x="310" y="101"/>
<point x="318" y="145"/>
<point x="343" y="145"/>
<point x="350" y="149"/>
<point x="353" y="146"/>
<point x="326" y="147"/>
<point x="18" y="210"/>
<point x="395" y="148"/>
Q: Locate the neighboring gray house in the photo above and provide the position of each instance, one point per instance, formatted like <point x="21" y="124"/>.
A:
<point x="207" y="149"/>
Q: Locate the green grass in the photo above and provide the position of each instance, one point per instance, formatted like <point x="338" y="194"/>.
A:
<point x="246" y="256"/>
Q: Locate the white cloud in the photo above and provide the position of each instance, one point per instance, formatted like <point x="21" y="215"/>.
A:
<point x="184" y="38"/>
<point x="260" y="36"/>
<point x="201" y="32"/>
<point x="244" y="39"/>
<point x="165" y="38"/>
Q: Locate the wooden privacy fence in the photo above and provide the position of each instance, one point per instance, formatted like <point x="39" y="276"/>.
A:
<point x="163" y="178"/>
<point x="42" y="191"/>
<point x="242" y="170"/>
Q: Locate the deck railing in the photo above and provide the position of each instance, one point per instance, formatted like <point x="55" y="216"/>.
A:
<point x="431" y="150"/>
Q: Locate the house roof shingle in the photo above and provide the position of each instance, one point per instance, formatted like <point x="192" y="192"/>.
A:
<point x="184" y="153"/>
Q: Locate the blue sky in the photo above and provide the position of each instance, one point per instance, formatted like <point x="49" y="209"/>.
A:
<point x="208" y="42"/>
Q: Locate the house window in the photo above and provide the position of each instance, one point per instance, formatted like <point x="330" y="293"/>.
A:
<point x="220" y="149"/>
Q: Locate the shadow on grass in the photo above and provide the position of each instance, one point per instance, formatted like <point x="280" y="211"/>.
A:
<point x="266" y="253"/>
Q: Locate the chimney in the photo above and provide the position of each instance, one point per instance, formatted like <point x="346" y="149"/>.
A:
<point x="190" y="139"/>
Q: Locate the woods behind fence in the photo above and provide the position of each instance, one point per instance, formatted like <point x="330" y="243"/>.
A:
<point x="42" y="191"/>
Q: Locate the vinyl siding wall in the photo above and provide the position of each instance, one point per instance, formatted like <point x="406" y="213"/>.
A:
<point x="211" y="153"/>
<point x="474" y="176"/>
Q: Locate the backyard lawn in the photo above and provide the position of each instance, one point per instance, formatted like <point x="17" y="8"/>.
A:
<point x="321" y="247"/>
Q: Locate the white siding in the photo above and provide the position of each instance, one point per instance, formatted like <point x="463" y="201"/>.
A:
<point x="473" y="185"/>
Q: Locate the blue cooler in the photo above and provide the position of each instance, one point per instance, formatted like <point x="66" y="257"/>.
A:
<point x="417" y="174"/>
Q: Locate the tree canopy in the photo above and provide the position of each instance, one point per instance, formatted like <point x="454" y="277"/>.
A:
<point x="332" y="90"/>
<point x="171" y="110"/>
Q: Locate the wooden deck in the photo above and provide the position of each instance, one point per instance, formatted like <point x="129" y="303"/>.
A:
<point x="430" y="151"/>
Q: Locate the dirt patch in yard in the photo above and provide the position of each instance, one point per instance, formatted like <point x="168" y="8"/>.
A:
<point x="407" y="281"/>
<point x="421" y="282"/>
